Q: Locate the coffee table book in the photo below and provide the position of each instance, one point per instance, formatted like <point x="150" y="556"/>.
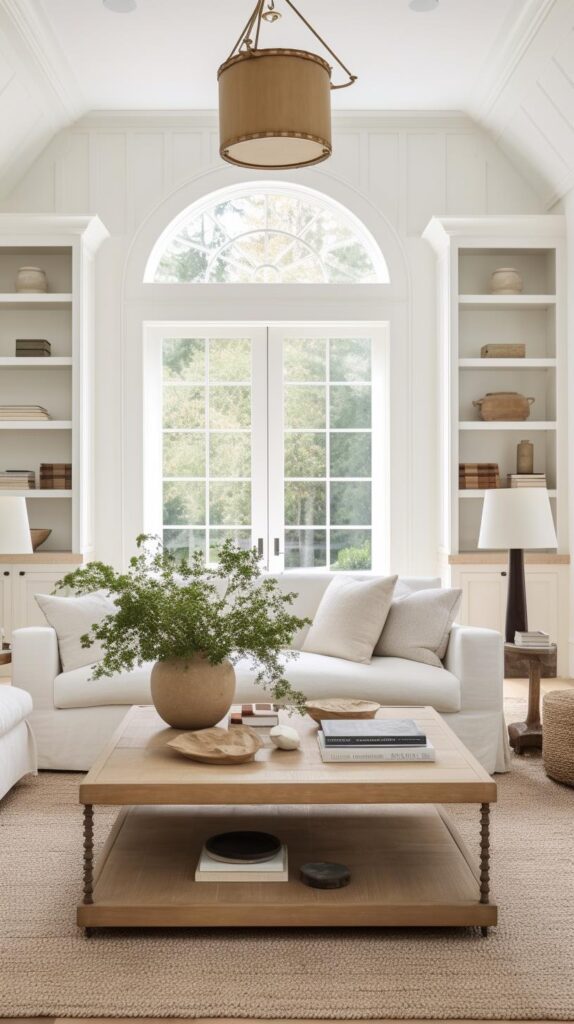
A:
<point x="368" y="752"/>
<point x="374" y="732"/>
<point x="388" y="823"/>
<point x="274" y="870"/>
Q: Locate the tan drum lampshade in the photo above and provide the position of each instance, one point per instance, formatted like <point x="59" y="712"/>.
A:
<point x="275" y="104"/>
<point x="275" y="109"/>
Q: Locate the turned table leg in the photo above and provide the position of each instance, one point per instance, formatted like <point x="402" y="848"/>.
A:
<point x="484" y="856"/>
<point x="88" y="853"/>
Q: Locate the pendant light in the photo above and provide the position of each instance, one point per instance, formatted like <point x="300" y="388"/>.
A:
<point x="275" y="104"/>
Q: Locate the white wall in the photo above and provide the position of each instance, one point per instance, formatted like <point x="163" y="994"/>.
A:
<point x="136" y="171"/>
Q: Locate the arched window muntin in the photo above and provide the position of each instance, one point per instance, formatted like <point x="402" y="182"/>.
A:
<point x="250" y="253"/>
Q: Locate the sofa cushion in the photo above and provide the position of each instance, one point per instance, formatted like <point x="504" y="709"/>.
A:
<point x="418" y="626"/>
<point x="389" y="680"/>
<point x="15" y="704"/>
<point x="77" y="690"/>
<point x="350" y="618"/>
<point x="393" y="681"/>
<point x="72" y="617"/>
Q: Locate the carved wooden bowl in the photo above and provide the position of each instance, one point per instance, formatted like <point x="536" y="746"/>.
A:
<point x="341" y="707"/>
<point x="219" y="746"/>
<point x="39" y="535"/>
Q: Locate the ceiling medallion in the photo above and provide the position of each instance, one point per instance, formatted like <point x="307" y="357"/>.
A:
<point x="275" y="104"/>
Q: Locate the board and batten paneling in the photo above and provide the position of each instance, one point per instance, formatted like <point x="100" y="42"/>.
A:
<point x="402" y="169"/>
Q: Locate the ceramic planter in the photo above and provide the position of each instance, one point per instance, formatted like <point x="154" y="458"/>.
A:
<point x="190" y="693"/>
<point x="506" y="281"/>
<point x="31" y="279"/>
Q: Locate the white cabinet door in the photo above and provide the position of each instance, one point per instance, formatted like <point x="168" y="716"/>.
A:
<point x="6" y="601"/>
<point x="542" y="602"/>
<point x="483" y="598"/>
<point x="25" y="584"/>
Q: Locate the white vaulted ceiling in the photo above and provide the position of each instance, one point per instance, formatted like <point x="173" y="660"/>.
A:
<point x="507" y="63"/>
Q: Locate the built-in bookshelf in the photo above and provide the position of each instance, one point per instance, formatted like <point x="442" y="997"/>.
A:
<point x="62" y="382"/>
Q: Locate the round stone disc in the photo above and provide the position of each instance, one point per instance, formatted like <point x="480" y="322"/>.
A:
<point x="243" y="847"/>
<point x="325" y="875"/>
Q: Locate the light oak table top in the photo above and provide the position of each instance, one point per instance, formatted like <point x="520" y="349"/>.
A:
<point x="137" y="767"/>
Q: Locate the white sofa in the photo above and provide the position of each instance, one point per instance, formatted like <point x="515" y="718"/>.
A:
<point x="17" y="745"/>
<point x="74" y="716"/>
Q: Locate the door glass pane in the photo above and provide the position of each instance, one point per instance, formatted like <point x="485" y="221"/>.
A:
<point x="327" y="442"/>
<point x="206" y="443"/>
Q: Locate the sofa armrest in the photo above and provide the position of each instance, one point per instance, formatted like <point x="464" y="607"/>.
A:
<point x="476" y="657"/>
<point x="36" y="663"/>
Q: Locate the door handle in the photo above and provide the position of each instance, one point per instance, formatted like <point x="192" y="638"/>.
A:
<point x="276" y="546"/>
<point x="260" y="550"/>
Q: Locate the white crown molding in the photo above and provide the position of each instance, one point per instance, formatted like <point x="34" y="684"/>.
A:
<point x="43" y="59"/>
<point x="505" y="57"/>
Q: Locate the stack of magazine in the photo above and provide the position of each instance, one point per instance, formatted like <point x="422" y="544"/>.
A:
<point x="534" y="638"/>
<point x="274" y="870"/>
<point x="374" y="739"/>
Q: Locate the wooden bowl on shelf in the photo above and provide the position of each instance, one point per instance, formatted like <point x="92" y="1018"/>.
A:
<point x="341" y="707"/>
<point x="39" y="535"/>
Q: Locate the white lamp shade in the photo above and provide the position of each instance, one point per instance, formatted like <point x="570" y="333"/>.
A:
<point x="15" y="536"/>
<point x="518" y="517"/>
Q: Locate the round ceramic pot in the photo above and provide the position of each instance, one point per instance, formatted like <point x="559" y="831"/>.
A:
<point x="189" y="693"/>
<point x="506" y="281"/>
<point x="31" y="279"/>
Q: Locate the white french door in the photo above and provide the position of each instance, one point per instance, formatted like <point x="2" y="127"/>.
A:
<point x="273" y="435"/>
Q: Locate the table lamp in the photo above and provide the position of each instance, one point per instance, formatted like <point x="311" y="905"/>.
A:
<point x="15" y="536"/>
<point x="516" y="518"/>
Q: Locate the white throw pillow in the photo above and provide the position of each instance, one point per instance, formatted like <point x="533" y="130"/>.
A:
<point x="72" y="617"/>
<point x="418" y="626"/>
<point x="350" y="617"/>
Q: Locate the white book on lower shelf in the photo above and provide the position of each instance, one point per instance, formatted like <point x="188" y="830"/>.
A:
<point x="274" y="870"/>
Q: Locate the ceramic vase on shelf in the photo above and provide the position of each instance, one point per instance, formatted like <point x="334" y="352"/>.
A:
<point x="191" y="693"/>
<point x="31" y="279"/>
<point x="506" y="281"/>
<point x="525" y="457"/>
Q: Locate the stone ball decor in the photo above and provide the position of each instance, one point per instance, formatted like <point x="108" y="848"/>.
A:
<point x="285" y="737"/>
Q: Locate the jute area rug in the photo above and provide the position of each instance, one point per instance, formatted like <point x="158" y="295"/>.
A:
<point x="523" y="970"/>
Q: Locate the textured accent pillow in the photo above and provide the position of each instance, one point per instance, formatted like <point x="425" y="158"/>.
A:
<point x="350" y="617"/>
<point x="418" y="626"/>
<point x="72" y="617"/>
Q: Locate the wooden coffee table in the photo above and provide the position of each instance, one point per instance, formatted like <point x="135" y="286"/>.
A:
<point x="408" y="863"/>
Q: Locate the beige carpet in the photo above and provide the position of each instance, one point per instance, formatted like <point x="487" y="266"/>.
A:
<point x="523" y="970"/>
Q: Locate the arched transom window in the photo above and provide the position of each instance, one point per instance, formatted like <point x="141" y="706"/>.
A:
<point x="267" y="234"/>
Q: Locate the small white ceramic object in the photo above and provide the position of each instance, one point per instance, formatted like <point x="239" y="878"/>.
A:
<point x="285" y="737"/>
<point x="31" y="279"/>
<point x="506" y="281"/>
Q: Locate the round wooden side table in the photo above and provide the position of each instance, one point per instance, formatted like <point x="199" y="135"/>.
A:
<point x="528" y="735"/>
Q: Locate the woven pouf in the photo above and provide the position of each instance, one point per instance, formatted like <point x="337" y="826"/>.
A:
<point x="558" y="736"/>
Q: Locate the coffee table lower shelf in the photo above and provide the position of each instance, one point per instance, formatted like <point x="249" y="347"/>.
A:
<point x="408" y="864"/>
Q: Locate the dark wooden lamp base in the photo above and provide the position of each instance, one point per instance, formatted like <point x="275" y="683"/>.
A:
<point x="516" y="616"/>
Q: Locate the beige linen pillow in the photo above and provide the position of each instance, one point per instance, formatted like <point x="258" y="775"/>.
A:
<point x="350" y="617"/>
<point x="418" y="626"/>
<point x="71" y="617"/>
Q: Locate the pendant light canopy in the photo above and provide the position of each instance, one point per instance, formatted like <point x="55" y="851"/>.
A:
<point x="275" y="104"/>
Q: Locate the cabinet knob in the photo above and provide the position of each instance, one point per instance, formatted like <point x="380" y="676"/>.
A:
<point x="6" y="572"/>
<point x="504" y="574"/>
<point x="21" y="573"/>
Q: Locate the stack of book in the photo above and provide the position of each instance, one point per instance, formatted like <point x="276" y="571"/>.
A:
<point x="17" y="480"/>
<point x="274" y="870"/>
<point x="531" y="638"/>
<point x="24" y="412"/>
<point x="55" y="476"/>
<point x="474" y="476"/>
<point x="527" y="479"/>
<point x="262" y="715"/>
<point x="31" y="348"/>
<point x="373" y="739"/>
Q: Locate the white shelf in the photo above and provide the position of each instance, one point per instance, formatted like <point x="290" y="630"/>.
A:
<point x="524" y="425"/>
<point x="45" y="362"/>
<point x="480" y="493"/>
<point x="35" y="300"/>
<point x="35" y="425"/>
<point x="35" y="493"/>
<point x="507" y="364"/>
<point x="507" y="301"/>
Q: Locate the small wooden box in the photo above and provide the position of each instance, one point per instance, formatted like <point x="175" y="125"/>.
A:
<point x="503" y="351"/>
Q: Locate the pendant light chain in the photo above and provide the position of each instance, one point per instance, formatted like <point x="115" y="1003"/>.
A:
<point x="246" y="41"/>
